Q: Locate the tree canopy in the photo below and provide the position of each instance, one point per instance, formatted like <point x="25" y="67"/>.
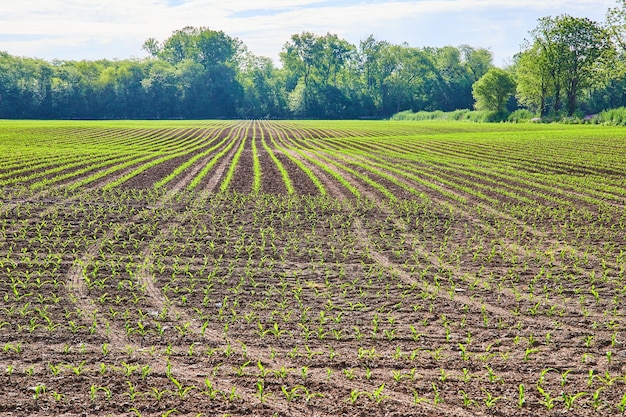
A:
<point x="493" y="90"/>
<point x="564" y="56"/>
<point x="568" y="64"/>
<point x="203" y="73"/>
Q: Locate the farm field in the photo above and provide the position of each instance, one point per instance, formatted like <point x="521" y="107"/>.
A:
<point x="312" y="268"/>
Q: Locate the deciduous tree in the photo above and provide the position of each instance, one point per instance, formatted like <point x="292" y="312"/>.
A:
<point x="567" y="53"/>
<point x="493" y="90"/>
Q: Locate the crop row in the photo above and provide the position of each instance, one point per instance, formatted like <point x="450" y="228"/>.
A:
<point x="316" y="268"/>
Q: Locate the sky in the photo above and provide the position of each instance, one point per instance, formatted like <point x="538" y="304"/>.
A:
<point x="116" y="29"/>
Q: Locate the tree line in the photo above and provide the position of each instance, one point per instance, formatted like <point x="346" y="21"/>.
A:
<point x="567" y="65"/>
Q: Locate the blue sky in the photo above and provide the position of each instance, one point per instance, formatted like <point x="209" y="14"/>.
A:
<point x="116" y="29"/>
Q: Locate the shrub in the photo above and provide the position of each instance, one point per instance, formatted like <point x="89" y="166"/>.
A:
<point x="613" y="117"/>
<point x="521" y="115"/>
<point x="481" y="116"/>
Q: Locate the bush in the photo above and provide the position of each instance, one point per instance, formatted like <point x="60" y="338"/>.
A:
<point x="482" y="116"/>
<point x="420" y="115"/>
<point x="613" y="117"/>
<point x="521" y="115"/>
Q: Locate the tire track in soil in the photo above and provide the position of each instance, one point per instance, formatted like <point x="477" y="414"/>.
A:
<point x="406" y="277"/>
<point x="513" y="247"/>
<point x="211" y="336"/>
<point x="76" y="285"/>
<point x="254" y="353"/>
<point x="526" y="228"/>
<point x="397" y="396"/>
<point x="144" y="278"/>
<point x="156" y="296"/>
<point x="459" y="298"/>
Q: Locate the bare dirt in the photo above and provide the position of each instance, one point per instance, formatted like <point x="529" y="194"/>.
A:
<point x="137" y="302"/>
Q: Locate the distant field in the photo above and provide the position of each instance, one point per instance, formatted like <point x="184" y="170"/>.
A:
<point x="313" y="268"/>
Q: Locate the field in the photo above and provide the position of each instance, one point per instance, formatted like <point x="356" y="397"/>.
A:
<point x="314" y="268"/>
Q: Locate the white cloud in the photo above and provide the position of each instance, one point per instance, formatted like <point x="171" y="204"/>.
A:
<point x="71" y="27"/>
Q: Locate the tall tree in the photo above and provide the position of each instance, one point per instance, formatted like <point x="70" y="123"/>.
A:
<point x="534" y="79"/>
<point x="373" y="70"/>
<point x="207" y="61"/>
<point x="314" y="65"/>
<point x="569" y="51"/>
<point x="493" y="90"/>
<point x="451" y="84"/>
<point x="407" y="68"/>
<point x="587" y="45"/>
<point x="477" y="61"/>
<point x="263" y="86"/>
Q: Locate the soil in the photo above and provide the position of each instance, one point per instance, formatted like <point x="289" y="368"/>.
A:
<point x="437" y="302"/>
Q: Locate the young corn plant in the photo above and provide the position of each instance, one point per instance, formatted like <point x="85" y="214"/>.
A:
<point x="182" y="391"/>
<point x="468" y="401"/>
<point x="490" y="400"/>
<point x="547" y="399"/>
<point x="261" y="393"/>
<point x="378" y="396"/>
<point x="569" y="400"/>
<point x="437" y="399"/>
<point x="210" y="391"/>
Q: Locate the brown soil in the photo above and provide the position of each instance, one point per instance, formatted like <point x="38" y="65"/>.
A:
<point x="135" y="301"/>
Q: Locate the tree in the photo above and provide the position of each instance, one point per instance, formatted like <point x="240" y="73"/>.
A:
<point x="407" y="68"/>
<point x="587" y="44"/>
<point x="493" y="90"/>
<point x="263" y="86"/>
<point x="534" y="79"/>
<point x="373" y="71"/>
<point x="203" y="45"/>
<point x="565" y="52"/>
<point x="163" y="90"/>
<point x="477" y="61"/>
<point x="205" y="71"/>
<point x="314" y="67"/>
<point x="450" y="87"/>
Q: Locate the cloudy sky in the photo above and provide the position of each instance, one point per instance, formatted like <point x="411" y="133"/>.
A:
<point x="116" y="29"/>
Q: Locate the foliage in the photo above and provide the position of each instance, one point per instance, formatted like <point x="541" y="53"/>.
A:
<point x="199" y="73"/>
<point x="458" y="115"/>
<point x="493" y="90"/>
<point x="564" y="56"/>
<point x="613" y="117"/>
<point x="567" y="65"/>
<point x="521" y="115"/>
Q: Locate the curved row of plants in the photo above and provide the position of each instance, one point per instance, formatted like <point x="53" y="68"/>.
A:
<point x="399" y="283"/>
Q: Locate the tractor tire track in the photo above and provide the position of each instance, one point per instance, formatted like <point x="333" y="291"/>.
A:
<point x="510" y="246"/>
<point x="255" y="353"/>
<point x="75" y="282"/>
<point x="397" y="396"/>
<point x="149" y="282"/>
<point x="361" y="233"/>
